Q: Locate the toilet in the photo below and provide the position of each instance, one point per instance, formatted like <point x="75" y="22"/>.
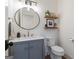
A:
<point x="56" y="52"/>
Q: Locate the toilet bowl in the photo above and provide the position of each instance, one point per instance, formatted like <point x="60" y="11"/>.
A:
<point x="56" y="52"/>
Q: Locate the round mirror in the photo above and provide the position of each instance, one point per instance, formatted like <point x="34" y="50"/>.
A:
<point x="27" y="19"/>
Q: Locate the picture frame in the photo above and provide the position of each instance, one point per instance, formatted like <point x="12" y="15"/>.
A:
<point x="50" y="23"/>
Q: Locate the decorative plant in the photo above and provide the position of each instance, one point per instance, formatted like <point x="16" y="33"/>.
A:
<point x="47" y="13"/>
<point x="51" y="14"/>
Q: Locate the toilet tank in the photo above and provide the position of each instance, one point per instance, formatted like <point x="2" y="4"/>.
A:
<point x="50" y="41"/>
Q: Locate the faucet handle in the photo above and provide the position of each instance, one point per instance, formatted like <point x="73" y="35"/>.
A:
<point x="24" y="35"/>
<point x="28" y="34"/>
<point x="32" y="35"/>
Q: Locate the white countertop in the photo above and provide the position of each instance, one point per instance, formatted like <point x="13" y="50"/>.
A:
<point x="26" y="39"/>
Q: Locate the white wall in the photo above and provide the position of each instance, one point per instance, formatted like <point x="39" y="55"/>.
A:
<point x="6" y="22"/>
<point x="6" y="26"/>
<point x="65" y="8"/>
<point x="42" y="6"/>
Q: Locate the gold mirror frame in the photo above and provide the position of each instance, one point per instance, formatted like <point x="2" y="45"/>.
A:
<point x="23" y="27"/>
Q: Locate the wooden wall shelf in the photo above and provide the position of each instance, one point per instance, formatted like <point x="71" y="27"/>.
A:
<point x="51" y="17"/>
<point x="50" y="20"/>
<point x="51" y="27"/>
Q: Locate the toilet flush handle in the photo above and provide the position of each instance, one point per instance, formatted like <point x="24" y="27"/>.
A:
<point x="71" y="39"/>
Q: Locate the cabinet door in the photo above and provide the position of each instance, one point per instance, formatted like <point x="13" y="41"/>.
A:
<point x="36" y="49"/>
<point x="20" y="51"/>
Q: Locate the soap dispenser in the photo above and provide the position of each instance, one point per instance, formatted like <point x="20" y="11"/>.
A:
<point x="18" y="35"/>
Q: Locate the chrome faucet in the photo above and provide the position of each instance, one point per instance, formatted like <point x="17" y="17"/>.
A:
<point x="28" y="34"/>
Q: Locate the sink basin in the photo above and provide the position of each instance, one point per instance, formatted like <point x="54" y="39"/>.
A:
<point x="26" y="39"/>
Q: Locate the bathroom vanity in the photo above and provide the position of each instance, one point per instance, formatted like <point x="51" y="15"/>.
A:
<point x="27" y="49"/>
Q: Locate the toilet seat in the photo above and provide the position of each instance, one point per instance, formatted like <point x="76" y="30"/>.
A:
<point x="57" y="50"/>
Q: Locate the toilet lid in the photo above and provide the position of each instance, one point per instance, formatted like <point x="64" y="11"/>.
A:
<point x="57" y="48"/>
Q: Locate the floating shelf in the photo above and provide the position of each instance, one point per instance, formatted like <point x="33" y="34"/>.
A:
<point x="52" y="20"/>
<point x="51" y="17"/>
<point x="51" y="27"/>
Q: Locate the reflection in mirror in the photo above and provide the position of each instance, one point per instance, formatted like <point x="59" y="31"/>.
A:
<point x="27" y="20"/>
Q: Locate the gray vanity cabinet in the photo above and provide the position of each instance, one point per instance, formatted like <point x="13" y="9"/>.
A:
<point x="36" y="49"/>
<point x="20" y="50"/>
<point x="28" y="50"/>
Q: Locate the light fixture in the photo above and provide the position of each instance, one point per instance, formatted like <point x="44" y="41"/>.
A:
<point x="30" y="3"/>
